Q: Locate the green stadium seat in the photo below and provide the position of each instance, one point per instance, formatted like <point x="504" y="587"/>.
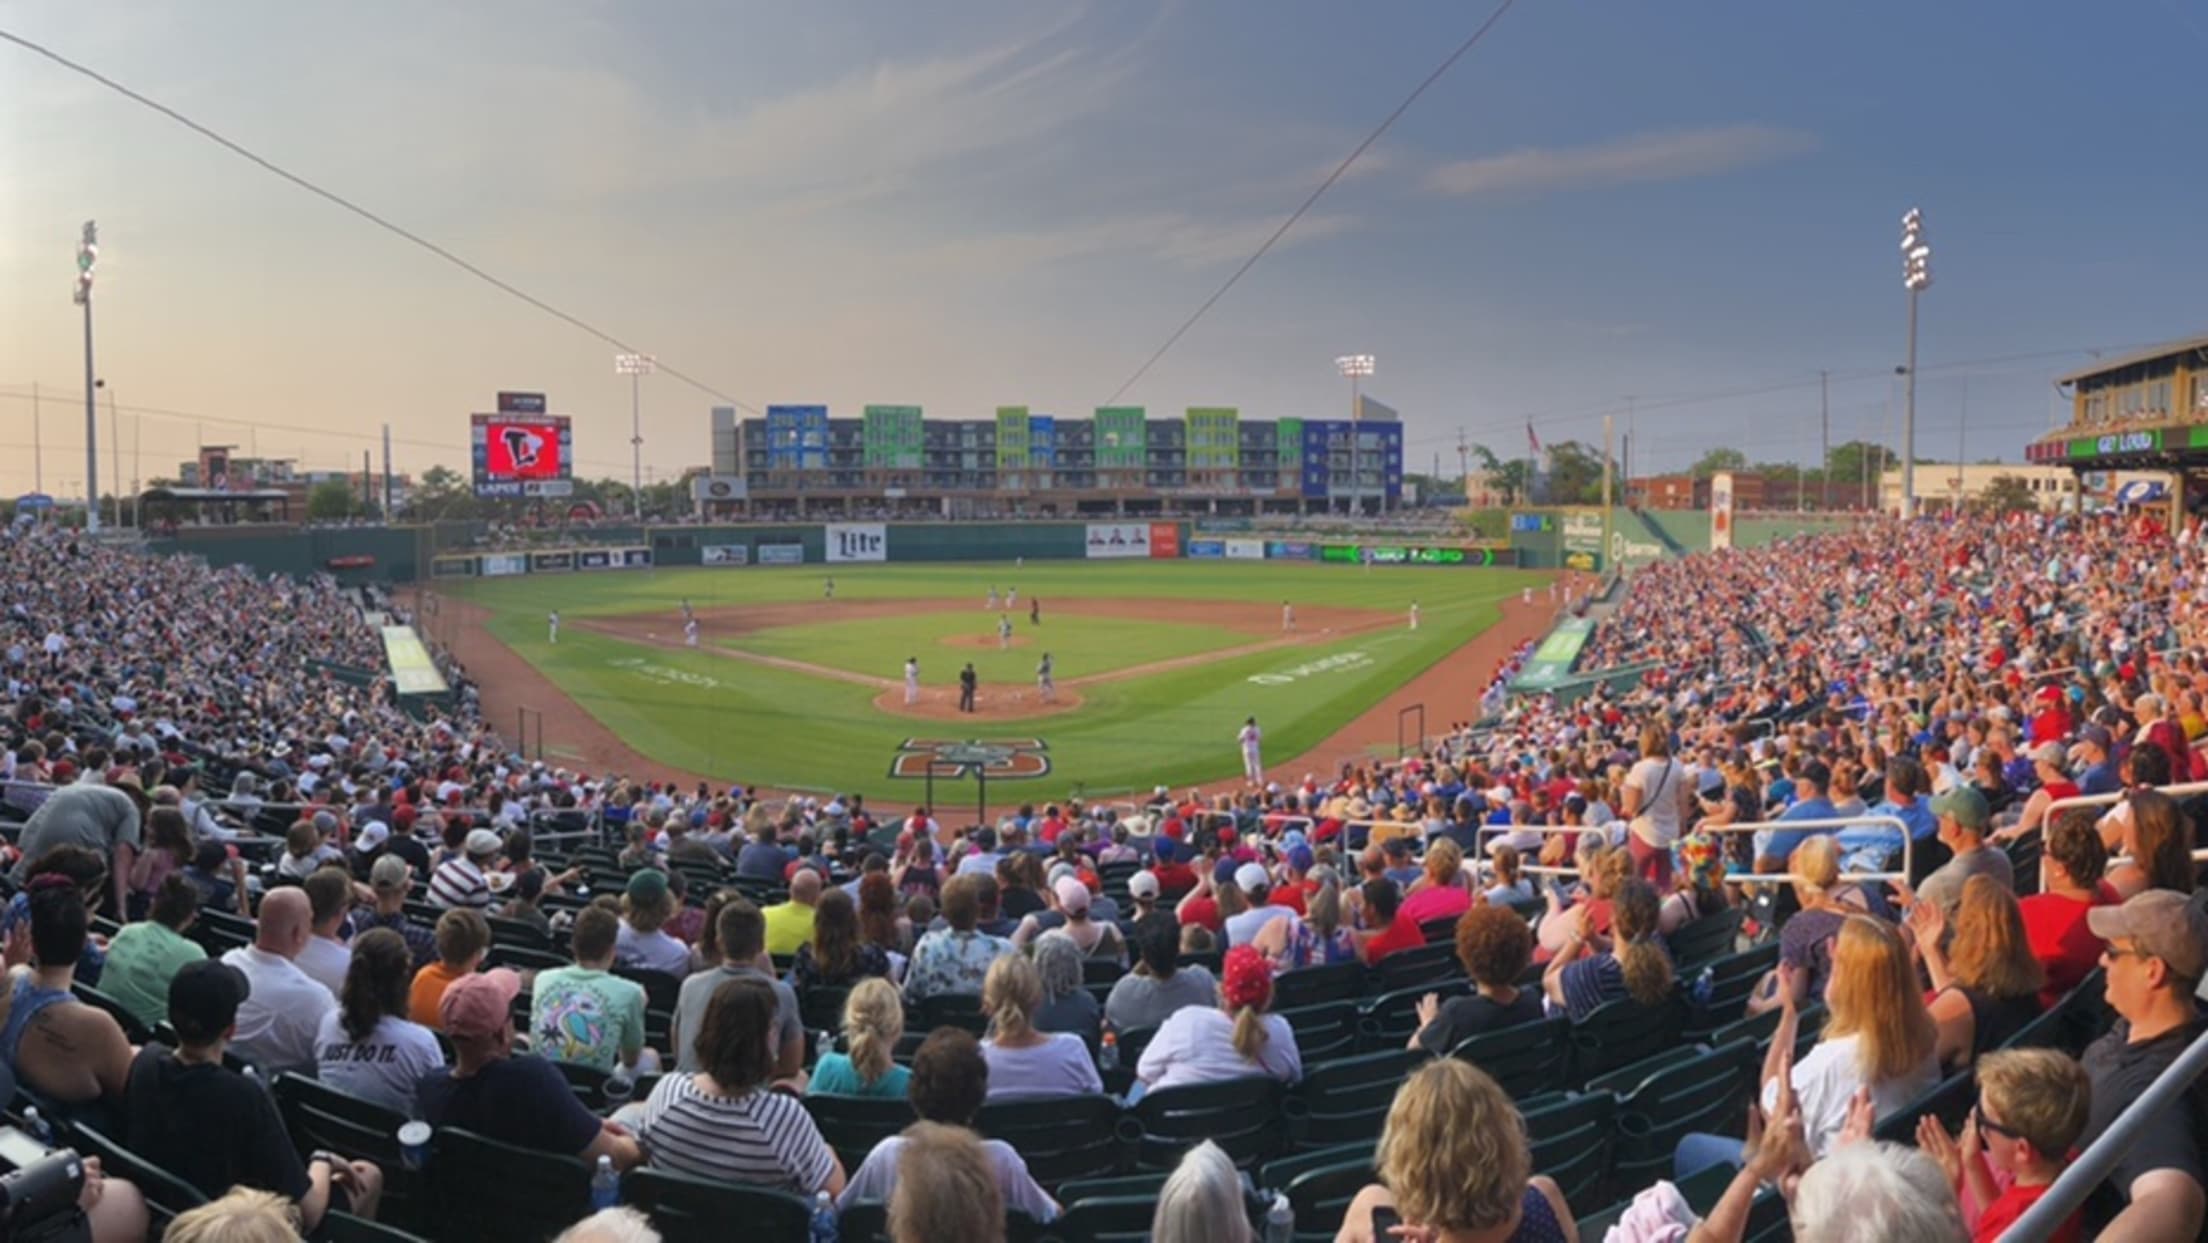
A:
<point x="1389" y="1019"/>
<point x="1706" y="1092"/>
<point x="1948" y="1100"/>
<point x="1347" y="1099"/>
<point x="1064" y="1138"/>
<point x="853" y="1125"/>
<point x="1526" y="1060"/>
<point x="480" y="1188"/>
<point x="1704" y="940"/>
<point x="166" y="1194"/>
<point x="318" y="1116"/>
<point x="1319" y="1186"/>
<point x="1329" y="1030"/>
<point x="1312" y="986"/>
<point x="1622" y="1032"/>
<point x="1428" y="964"/>
<point x="1242" y="1116"/>
<point x="346" y="1228"/>
<point x="686" y="1209"/>
<point x="1571" y="1139"/>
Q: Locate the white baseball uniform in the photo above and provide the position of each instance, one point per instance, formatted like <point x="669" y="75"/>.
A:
<point x="1414" y="615"/>
<point x="690" y="632"/>
<point x="1252" y="768"/>
<point x="554" y="621"/>
<point x="912" y="681"/>
<point x="1287" y="617"/>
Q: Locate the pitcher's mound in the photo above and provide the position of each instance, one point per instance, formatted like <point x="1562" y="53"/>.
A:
<point x="983" y="642"/>
<point x="993" y="701"/>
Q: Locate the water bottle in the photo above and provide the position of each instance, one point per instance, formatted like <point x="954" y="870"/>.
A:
<point x="1107" y="1051"/>
<point x="1280" y="1220"/>
<point x="37" y="1126"/>
<point x="824" y="1217"/>
<point x="605" y="1186"/>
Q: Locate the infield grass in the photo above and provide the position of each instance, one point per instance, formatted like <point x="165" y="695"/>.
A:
<point x="743" y="721"/>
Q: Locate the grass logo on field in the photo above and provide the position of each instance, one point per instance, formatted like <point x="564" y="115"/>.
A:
<point x="1013" y="759"/>
<point x="664" y="675"/>
<point x="1336" y="663"/>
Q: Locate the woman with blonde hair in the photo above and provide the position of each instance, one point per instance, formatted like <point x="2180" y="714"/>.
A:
<point x="1444" y="892"/>
<point x="1024" y="1061"/>
<point x="873" y="1022"/>
<point x="1601" y="870"/>
<point x="1200" y="1044"/>
<point x="1986" y="983"/>
<point x="1805" y="939"/>
<point x="1453" y="1164"/>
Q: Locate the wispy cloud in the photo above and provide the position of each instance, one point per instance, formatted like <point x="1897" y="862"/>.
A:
<point x="1665" y="155"/>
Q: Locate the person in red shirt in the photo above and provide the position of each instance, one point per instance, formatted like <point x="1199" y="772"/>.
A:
<point x="2054" y="920"/>
<point x="1175" y="878"/>
<point x="1051" y="826"/>
<point x="1201" y="906"/>
<point x="2033" y="1104"/>
<point x="1296" y="888"/>
<point x="1384" y="934"/>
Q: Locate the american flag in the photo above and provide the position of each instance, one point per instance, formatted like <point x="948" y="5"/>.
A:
<point x="1532" y="440"/>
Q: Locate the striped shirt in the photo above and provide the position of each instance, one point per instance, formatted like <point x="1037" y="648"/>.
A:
<point x="457" y="883"/>
<point x="760" y="1139"/>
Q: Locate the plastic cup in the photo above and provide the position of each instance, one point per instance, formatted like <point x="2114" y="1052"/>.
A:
<point x="414" y="1144"/>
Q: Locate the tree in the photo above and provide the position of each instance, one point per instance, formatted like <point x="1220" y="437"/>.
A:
<point x="1575" y="474"/>
<point x="2007" y="494"/>
<point x="1509" y="477"/>
<point x="1846" y="463"/>
<point x="330" y="502"/>
<point x="1718" y="460"/>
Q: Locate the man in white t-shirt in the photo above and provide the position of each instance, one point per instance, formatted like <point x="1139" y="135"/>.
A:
<point x="278" y="1021"/>
<point x="324" y="958"/>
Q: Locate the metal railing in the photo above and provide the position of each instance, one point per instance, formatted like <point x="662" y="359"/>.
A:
<point x="2110" y="799"/>
<point x="1819" y="827"/>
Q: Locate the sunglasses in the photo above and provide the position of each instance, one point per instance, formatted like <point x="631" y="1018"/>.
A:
<point x="1978" y="1115"/>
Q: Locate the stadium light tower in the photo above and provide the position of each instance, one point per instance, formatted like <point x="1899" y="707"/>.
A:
<point x="1356" y="367"/>
<point x="636" y="367"/>
<point x="1916" y="277"/>
<point x="88" y="257"/>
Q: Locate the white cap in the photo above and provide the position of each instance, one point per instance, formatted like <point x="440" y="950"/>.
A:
<point x="372" y="835"/>
<point x="1251" y="876"/>
<point x="1143" y="885"/>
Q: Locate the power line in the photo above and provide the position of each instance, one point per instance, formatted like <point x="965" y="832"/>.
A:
<point x="364" y="213"/>
<point x="1306" y="206"/>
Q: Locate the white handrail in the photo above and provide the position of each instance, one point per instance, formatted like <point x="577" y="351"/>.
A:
<point x="2107" y="800"/>
<point x="1908" y="844"/>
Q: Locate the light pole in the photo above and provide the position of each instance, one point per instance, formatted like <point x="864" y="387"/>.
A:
<point x="1356" y="367"/>
<point x="1916" y="277"/>
<point x="88" y="257"/>
<point x="636" y="367"/>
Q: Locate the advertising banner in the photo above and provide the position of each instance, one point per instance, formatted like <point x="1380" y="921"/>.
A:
<point x="857" y="541"/>
<point x="1414" y="554"/>
<point x="412" y="671"/>
<point x="498" y="564"/>
<point x="781" y="554"/>
<point x="1721" y="510"/>
<point x="1244" y="550"/>
<point x="1165" y="539"/>
<point x="452" y="567"/>
<point x="1582" y="532"/>
<point x="594" y="559"/>
<point x="724" y="554"/>
<point x="636" y="558"/>
<point x="719" y="488"/>
<point x="1119" y="539"/>
<point x="1588" y="561"/>
<point x="1289" y="550"/>
<point x="1207" y="549"/>
<point x="551" y="562"/>
<point x="355" y="561"/>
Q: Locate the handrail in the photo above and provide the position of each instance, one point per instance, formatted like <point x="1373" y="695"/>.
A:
<point x="2108" y="800"/>
<point x="1908" y="845"/>
<point x="2098" y="1161"/>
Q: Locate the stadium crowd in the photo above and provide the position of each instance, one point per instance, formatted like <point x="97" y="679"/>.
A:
<point x="248" y="892"/>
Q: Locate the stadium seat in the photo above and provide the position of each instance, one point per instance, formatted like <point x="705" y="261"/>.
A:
<point x="1324" y="1031"/>
<point x="1440" y="930"/>
<point x="1064" y="1138"/>
<point x="1242" y="1116"/>
<point x="1106" y="1219"/>
<point x="1571" y="1138"/>
<point x="661" y="990"/>
<point x="1706" y="1092"/>
<point x="518" y="933"/>
<point x="1311" y="986"/>
<point x="869" y="1223"/>
<point x="1526" y="1060"/>
<point x="1704" y="940"/>
<point x="1622" y="1032"/>
<point x="1319" y="1186"/>
<point x="687" y="1209"/>
<point x="1428" y="964"/>
<point x="820" y="1008"/>
<point x="1948" y="1100"/>
<point x="345" y="1228"/>
<point x="1133" y="1041"/>
<point x="852" y="1125"/>
<point x="1387" y="1021"/>
<point x="480" y="1188"/>
<point x="1721" y="987"/>
<point x="952" y="1010"/>
<point x="318" y="1116"/>
<point x="134" y="1029"/>
<point x="166" y="1194"/>
<point x="1346" y="1099"/>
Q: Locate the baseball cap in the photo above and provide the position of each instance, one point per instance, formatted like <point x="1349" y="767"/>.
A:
<point x="1251" y="876"/>
<point x="2049" y="753"/>
<point x="2097" y="735"/>
<point x="647" y="885"/>
<point x="478" y="1005"/>
<point x="2164" y="923"/>
<point x="481" y="843"/>
<point x="1072" y="894"/>
<point x="1143" y="885"/>
<point x="390" y="872"/>
<point x="1223" y="871"/>
<point x="372" y="835"/>
<point x="1299" y="857"/>
<point x="204" y="997"/>
<point x="1164" y="849"/>
<point x="1965" y="804"/>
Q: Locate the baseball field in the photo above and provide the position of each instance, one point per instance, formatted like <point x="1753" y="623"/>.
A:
<point x="1155" y="666"/>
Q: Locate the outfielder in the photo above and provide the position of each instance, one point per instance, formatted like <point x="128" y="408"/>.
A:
<point x="1253" y="770"/>
<point x="1004" y="632"/>
<point x="828" y="589"/>
<point x="912" y="680"/>
<point x="554" y="621"/>
<point x="1045" y="684"/>
<point x="992" y="605"/>
<point x="690" y="632"/>
<point x="1011" y="597"/>
<point x="687" y="614"/>
<point x="1414" y="614"/>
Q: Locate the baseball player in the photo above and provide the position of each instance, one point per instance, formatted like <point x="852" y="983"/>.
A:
<point x="1004" y="632"/>
<point x="1035" y="611"/>
<point x="690" y="632"/>
<point x="1414" y="614"/>
<point x="1526" y="596"/>
<point x="1253" y="770"/>
<point x="1287" y="618"/>
<point x="554" y="621"/>
<point x="828" y="589"/>
<point x="687" y="613"/>
<point x="912" y="679"/>
<point x="1045" y="684"/>
<point x="1011" y="597"/>
<point x="992" y="605"/>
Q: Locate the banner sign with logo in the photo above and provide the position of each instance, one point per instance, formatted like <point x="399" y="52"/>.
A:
<point x="452" y="567"/>
<point x="781" y="554"/>
<point x="635" y="558"/>
<point x="1399" y="554"/>
<point x="1244" y="550"/>
<point x="594" y="559"/>
<point x="1289" y="550"/>
<point x="1207" y="549"/>
<point x="1120" y="539"/>
<point x="551" y="562"/>
<point x="718" y="488"/>
<point x="725" y="554"/>
<point x="1165" y="539"/>
<point x="857" y="541"/>
<point x="499" y="564"/>
<point x="1721" y="510"/>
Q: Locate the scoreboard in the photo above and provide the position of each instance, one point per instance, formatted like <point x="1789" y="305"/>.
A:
<point x="523" y="455"/>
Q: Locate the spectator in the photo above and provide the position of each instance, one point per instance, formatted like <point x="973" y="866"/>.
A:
<point x="1201" y="1201"/>
<point x="881" y="923"/>
<point x="946" y="1189"/>
<point x="1444" y="891"/>
<point x="81" y="1060"/>
<point x="1495" y="947"/>
<point x="461" y="882"/>
<point x="1453" y="1162"/>
<point x="1962" y="813"/>
<point x="523" y="1101"/>
<point x="102" y="818"/>
<point x="168" y="850"/>
<point x="1580" y="979"/>
<point x="607" y="1225"/>
<point x="1510" y="887"/>
<point x="2157" y="844"/>
<point x="522" y="897"/>
<point x="1875" y="1193"/>
<point x="1805" y="939"/>
<point x="585" y="1014"/>
<point x="790" y="924"/>
<point x="723" y="1121"/>
<point x="1254" y="885"/>
<point x="741" y="934"/>
<point x="1070" y="902"/>
<point x="463" y="938"/>
<point x="1318" y="937"/>
<point x="641" y="943"/>
<point x="1024" y="1062"/>
<point x="324" y="958"/>
<point x="1204" y="1044"/>
<point x="242" y="1216"/>
<point x="143" y="957"/>
<point x="367" y="1046"/>
<point x="85" y="870"/>
<point x="388" y="883"/>
<point x="835" y="956"/>
<point x="1775" y="846"/>
<point x="1986" y="985"/>
<point x="873" y="1022"/>
<point x="1067" y="1006"/>
<point x="2032" y="1106"/>
<point x="193" y="1116"/>
<point x="1699" y="889"/>
<point x="2096" y="749"/>
<point x="284" y="1007"/>
<point x="1158" y="985"/>
<point x="2157" y="951"/>
<point x="2054" y="919"/>
<point x="1656" y="798"/>
<point x="949" y="1083"/>
<point x="955" y="959"/>
<point x="2054" y="786"/>
<point x="1385" y="930"/>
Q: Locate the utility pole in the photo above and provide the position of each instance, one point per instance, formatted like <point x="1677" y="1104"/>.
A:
<point x="1962" y="438"/>
<point x="1916" y="277"/>
<point x="1464" y="468"/>
<point x="387" y="473"/>
<point x="38" y="442"/>
<point x="1824" y="434"/>
<point x="1609" y="431"/>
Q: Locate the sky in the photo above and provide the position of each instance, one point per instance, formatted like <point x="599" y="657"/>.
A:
<point x="1685" y="212"/>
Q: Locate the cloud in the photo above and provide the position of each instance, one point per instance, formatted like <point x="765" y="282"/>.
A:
<point x="1181" y="239"/>
<point x="1665" y="155"/>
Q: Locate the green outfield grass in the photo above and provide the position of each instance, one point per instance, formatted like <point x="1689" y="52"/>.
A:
<point x="709" y="713"/>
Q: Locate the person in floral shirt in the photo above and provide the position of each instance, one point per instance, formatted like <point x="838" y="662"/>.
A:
<point x="955" y="959"/>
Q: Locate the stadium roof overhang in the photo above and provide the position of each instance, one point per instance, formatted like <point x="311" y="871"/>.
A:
<point x="215" y="496"/>
<point x="2178" y="446"/>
